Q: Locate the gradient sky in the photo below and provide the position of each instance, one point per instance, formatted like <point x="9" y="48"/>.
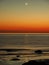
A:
<point x="15" y="16"/>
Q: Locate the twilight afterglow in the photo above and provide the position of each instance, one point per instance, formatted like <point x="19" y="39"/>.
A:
<point x="24" y="16"/>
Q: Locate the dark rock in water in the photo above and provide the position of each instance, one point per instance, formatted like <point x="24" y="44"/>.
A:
<point x="15" y="59"/>
<point x="38" y="51"/>
<point x="18" y="56"/>
<point x="37" y="62"/>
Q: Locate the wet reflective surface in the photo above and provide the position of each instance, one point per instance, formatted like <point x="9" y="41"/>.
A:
<point x="16" y="49"/>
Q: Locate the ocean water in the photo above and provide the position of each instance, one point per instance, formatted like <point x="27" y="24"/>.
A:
<point x="24" y="39"/>
<point x="25" y="45"/>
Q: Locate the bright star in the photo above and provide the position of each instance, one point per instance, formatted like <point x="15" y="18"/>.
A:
<point x="26" y="3"/>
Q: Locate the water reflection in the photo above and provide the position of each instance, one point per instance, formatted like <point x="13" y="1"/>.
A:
<point x="16" y="49"/>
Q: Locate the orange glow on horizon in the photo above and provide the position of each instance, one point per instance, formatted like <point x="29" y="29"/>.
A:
<point x="24" y="29"/>
<point x="15" y="16"/>
<point x="36" y="25"/>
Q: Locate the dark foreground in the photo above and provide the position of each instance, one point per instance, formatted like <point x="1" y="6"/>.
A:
<point x="37" y="62"/>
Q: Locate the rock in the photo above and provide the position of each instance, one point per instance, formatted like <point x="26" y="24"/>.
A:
<point x="37" y="62"/>
<point x="38" y="51"/>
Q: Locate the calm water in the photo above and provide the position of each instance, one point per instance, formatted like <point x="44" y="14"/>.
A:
<point x="23" y="41"/>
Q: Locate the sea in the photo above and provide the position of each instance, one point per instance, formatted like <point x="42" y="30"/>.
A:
<point x="18" y="48"/>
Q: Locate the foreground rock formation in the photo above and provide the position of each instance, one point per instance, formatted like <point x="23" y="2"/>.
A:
<point x="37" y="62"/>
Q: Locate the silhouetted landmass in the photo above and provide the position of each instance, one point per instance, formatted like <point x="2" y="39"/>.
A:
<point x="37" y="62"/>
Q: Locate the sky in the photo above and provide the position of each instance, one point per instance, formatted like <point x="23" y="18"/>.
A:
<point x="28" y="16"/>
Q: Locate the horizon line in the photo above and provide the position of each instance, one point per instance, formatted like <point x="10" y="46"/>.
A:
<point x="24" y="33"/>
